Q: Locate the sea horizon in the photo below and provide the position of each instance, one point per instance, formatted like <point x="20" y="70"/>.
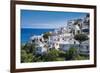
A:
<point x="26" y="33"/>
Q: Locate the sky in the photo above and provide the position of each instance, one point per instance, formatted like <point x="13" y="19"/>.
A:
<point x="47" y="19"/>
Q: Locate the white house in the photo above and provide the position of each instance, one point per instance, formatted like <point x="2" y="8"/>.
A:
<point x="63" y="37"/>
<point x="39" y="44"/>
<point x="62" y="40"/>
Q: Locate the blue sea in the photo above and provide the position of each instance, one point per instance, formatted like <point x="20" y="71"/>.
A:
<point x="26" y="33"/>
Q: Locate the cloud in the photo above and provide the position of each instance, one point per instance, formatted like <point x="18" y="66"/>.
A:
<point x="47" y="25"/>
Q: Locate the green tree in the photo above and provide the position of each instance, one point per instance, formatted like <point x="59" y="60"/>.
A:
<point x="46" y="35"/>
<point x="71" y="53"/>
<point x="29" y="48"/>
<point x="28" y="52"/>
<point x="33" y="49"/>
<point x="26" y="57"/>
<point x="80" y="57"/>
<point x="51" y="55"/>
<point x="80" y="38"/>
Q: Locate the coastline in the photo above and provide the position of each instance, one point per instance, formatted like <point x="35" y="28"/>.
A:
<point x="26" y="33"/>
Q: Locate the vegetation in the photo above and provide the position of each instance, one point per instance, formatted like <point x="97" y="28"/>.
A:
<point x="71" y="54"/>
<point x="81" y="37"/>
<point x="80" y="57"/>
<point x="26" y="57"/>
<point x="46" y="35"/>
<point x="27" y="52"/>
<point x="52" y="55"/>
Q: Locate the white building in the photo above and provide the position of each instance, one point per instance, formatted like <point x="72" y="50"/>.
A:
<point x="39" y="44"/>
<point x="63" y="38"/>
